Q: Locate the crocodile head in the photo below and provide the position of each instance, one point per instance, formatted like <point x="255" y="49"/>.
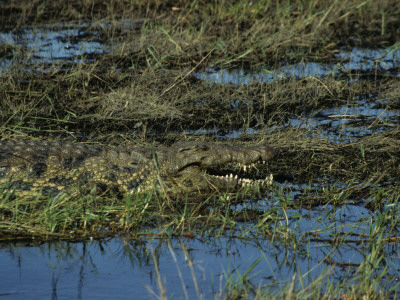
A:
<point x="199" y="167"/>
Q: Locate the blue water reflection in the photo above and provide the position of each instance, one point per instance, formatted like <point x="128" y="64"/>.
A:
<point x="200" y="268"/>
<point x="49" y="44"/>
<point x="357" y="59"/>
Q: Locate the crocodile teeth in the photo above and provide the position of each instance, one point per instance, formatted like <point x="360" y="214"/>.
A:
<point x="245" y="181"/>
<point x="268" y="180"/>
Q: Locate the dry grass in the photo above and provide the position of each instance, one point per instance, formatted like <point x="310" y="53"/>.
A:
<point x="110" y="104"/>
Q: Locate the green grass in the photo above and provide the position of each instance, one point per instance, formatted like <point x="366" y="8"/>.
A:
<point x="279" y="218"/>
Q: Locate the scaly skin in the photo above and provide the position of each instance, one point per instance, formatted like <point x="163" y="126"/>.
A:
<point x="30" y="167"/>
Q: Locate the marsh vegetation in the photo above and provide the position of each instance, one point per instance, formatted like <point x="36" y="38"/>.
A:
<point x="317" y="80"/>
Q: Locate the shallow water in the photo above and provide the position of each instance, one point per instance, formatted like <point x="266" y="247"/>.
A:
<point x="382" y="61"/>
<point x="121" y="268"/>
<point x="349" y="122"/>
<point x="71" y="43"/>
<point x="47" y="45"/>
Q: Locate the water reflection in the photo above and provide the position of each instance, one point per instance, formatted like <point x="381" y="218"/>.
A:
<point x="381" y="61"/>
<point x="123" y="268"/>
<point x="49" y="44"/>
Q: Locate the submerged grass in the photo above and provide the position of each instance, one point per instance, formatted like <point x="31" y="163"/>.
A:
<point x="371" y="275"/>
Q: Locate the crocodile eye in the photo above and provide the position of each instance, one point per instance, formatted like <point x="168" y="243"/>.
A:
<point x="134" y="167"/>
<point x="187" y="183"/>
<point x="204" y="147"/>
<point x="182" y="149"/>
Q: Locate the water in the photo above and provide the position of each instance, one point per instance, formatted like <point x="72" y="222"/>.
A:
<point x="123" y="268"/>
<point x="48" y="45"/>
<point x="382" y="61"/>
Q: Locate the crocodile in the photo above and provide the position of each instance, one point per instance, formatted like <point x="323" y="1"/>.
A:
<point x="51" y="167"/>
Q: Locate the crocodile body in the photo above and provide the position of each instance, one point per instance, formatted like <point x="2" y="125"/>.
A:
<point x="48" y="168"/>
